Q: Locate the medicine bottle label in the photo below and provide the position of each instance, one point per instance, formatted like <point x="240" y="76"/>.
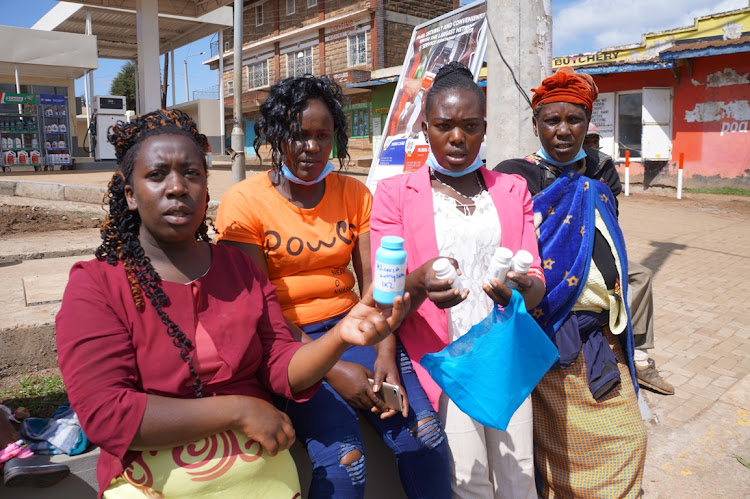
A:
<point x="389" y="278"/>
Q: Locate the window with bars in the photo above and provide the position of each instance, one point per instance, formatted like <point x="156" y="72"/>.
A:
<point x="290" y="7"/>
<point x="257" y="74"/>
<point x="259" y="15"/>
<point x="357" y="54"/>
<point x="300" y="62"/>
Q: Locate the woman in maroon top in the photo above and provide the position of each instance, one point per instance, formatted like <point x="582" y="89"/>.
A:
<point x="169" y="346"/>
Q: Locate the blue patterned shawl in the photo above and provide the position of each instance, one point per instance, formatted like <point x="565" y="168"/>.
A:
<point x="566" y="239"/>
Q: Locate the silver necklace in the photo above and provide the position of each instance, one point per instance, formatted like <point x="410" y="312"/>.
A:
<point x="476" y="177"/>
<point x="466" y="208"/>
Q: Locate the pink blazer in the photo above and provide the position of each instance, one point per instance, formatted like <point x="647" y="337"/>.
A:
<point x="403" y="207"/>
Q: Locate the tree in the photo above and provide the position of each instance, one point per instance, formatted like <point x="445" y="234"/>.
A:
<point x="124" y="84"/>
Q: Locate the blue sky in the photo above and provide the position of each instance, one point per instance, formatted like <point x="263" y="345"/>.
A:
<point x="578" y="26"/>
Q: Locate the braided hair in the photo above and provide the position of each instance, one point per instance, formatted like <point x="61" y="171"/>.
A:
<point x="452" y="76"/>
<point x="120" y="229"/>
<point x="281" y="114"/>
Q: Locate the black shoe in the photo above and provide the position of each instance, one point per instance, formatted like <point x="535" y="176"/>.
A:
<point x="34" y="471"/>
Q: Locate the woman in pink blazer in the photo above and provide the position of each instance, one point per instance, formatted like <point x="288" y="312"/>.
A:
<point x="454" y="207"/>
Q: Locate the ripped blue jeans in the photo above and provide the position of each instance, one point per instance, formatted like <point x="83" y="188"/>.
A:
<point x="329" y="429"/>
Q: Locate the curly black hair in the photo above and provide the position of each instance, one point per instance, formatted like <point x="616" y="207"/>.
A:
<point x="281" y="114"/>
<point x="453" y="75"/>
<point x="120" y="228"/>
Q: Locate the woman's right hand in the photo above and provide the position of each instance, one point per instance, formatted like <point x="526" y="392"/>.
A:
<point x="439" y="291"/>
<point x="350" y="380"/>
<point x="265" y="424"/>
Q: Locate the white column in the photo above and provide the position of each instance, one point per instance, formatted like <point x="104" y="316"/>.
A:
<point x="18" y="88"/>
<point x="222" y="124"/>
<point x="147" y="31"/>
<point x="523" y="31"/>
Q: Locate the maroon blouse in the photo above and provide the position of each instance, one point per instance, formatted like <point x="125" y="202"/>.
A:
<point x="111" y="355"/>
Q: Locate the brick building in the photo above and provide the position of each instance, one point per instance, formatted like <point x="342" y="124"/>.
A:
<point x="344" y="39"/>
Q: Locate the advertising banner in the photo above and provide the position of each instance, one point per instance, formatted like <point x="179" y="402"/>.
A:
<point x="52" y="100"/>
<point x="457" y="36"/>
<point x="6" y="98"/>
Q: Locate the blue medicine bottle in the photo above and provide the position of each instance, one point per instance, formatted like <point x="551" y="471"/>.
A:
<point x="389" y="273"/>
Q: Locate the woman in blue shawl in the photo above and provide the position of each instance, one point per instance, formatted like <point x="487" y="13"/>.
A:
<point x="589" y="438"/>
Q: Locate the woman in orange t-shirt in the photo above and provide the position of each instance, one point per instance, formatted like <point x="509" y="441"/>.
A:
<point x="302" y="224"/>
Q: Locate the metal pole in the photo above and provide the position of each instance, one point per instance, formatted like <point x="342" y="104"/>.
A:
<point x="137" y="91"/>
<point x="222" y="123"/>
<point x="88" y="88"/>
<point x="174" y="91"/>
<point x="238" y="133"/>
<point x="87" y="97"/>
<point x="187" y="92"/>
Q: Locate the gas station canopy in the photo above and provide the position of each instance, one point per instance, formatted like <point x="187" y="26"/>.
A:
<point x="44" y="54"/>
<point x="115" y="25"/>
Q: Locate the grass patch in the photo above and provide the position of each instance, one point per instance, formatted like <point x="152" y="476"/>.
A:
<point x="727" y="191"/>
<point x="40" y="394"/>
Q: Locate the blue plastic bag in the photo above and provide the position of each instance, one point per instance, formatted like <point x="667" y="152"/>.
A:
<point x="489" y="371"/>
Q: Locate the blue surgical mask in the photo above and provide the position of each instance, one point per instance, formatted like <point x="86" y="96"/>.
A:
<point x="546" y="157"/>
<point x="433" y="163"/>
<point x="287" y="174"/>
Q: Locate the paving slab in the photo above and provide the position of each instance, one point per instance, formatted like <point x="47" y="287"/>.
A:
<point x="54" y="244"/>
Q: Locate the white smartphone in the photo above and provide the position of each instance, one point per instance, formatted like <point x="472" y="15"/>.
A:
<point x="391" y="395"/>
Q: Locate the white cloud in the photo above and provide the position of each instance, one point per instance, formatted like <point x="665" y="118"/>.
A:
<point x="592" y="25"/>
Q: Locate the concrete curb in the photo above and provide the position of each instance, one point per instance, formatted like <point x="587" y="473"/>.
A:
<point x="59" y="192"/>
<point x="20" y="257"/>
<point x="52" y="191"/>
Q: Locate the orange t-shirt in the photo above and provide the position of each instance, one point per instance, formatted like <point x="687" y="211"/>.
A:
<point x="307" y="250"/>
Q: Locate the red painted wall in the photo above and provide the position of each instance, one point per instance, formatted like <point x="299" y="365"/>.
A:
<point x="710" y="115"/>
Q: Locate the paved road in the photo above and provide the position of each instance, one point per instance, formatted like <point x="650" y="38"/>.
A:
<point x="698" y="250"/>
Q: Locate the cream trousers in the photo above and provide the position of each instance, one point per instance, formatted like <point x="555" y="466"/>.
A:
<point x="486" y="462"/>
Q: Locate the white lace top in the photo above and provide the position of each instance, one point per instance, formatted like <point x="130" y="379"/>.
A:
<point x="471" y="240"/>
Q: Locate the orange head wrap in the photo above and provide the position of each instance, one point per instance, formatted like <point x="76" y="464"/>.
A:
<point x="566" y="86"/>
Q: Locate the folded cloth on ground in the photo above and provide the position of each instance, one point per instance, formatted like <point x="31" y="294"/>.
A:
<point x="60" y="434"/>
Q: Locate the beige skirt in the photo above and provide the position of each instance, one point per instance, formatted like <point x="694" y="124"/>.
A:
<point x="225" y="465"/>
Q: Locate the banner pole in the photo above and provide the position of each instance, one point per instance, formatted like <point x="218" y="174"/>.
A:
<point x="679" y="176"/>
<point x="627" y="173"/>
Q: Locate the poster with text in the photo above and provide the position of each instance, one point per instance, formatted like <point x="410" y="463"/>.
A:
<point x="457" y="36"/>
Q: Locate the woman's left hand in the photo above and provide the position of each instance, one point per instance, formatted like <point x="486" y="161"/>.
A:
<point x="531" y="289"/>
<point x="500" y="293"/>
<point x="366" y="324"/>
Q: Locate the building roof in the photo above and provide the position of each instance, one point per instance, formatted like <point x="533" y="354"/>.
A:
<point x="626" y="67"/>
<point x="707" y="48"/>
<point x="184" y="8"/>
<point x="113" y="23"/>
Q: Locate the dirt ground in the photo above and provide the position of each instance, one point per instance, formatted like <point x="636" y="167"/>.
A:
<point x="29" y="219"/>
<point x="711" y="203"/>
